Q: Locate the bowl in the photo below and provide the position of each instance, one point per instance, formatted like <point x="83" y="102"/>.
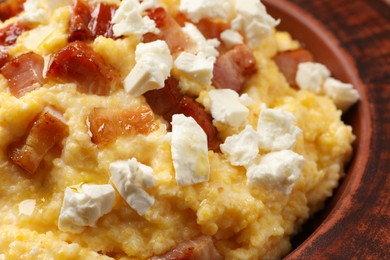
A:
<point x="355" y="220"/>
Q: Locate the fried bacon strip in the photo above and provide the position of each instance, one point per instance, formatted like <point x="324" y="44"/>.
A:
<point x="10" y="33"/>
<point x="169" y="101"/>
<point x="288" y="62"/>
<point x="48" y="130"/>
<point x="10" y="8"/>
<point x="24" y="73"/>
<point x="89" y="22"/>
<point x="78" y="63"/>
<point x="233" y="68"/>
<point x="170" y="32"/>
<point x="107" y="124"/>
<point x="201" y="248"/>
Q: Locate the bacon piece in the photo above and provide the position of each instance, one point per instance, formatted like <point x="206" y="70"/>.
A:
<point x="234" y="67"/>
<point x="169" y="101"/>
<point x="107" y="124"/>
<point x="201" y="248"/>
<point x="88" y="22"/>
<point x="100" y="23"/>
<point x="10" y="33"/>
<point x="24" y="73"/>
<point x="78" y="63"/>
<point x="212" y="29"/>
<point x="10" y="8"/>
<point x="78" y="27"/>
<point x="48" y="130"/>
<point x="288" y="61"/>
<point x="170" y="32"/>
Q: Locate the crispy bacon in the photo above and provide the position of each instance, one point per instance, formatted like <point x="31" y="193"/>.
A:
<point x="100" y="23"/>
<point x="89" y="22"/>
<point x="201" y="248"/>
<point x="234" y="67"/>
<point x="169" y="101"/>
<point x="78" y="27"/>
<point x="288" y="61"/>
<point x="170" y="32"/>
<point x="24" y="73"/>
<point x="10" y="8"/>
<point x="212" y="29"/>
<point x="48" y="130"/>
<point x="107" y="124"/>
<point x="10" y="33"/>
<point x="78" y="63"/>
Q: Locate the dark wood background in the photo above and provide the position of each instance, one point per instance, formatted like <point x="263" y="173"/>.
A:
<point x="363" y="232"/>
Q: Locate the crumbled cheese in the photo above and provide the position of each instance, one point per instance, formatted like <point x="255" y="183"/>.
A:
<point x="153" y="66"/>
<point x="196" y="67"/>
<point x="276" y="129"/>
<point x="189" y="151"/>
<point x="34" y="12"/>
<point x="231" y="38"/>
<point x="226" y="107"/>
<point x="277" y="170"/>
<point x="246" y="100"/>
<point x="130" y="179"/>
<point x="242" y="148"/>
<point x="26" y="207"/>
<point x="197" y="10"/>
<point x="54" y="4"/>
<point x="84" y="205"/>
<point x="205" y="48"/>
<point x="253" y="19"/>
<point x="128" y="20"/>
<point x="148" y="4"/>
<point x="342" y="94"/>
<point x="311" y="76"/>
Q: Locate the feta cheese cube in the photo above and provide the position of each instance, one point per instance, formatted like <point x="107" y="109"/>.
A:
<point x="226" y="107"/>
<point x="189" y="151"/>
<point x="311" y="76"/>
<point x="83" y="206"/>
<point x="342" y="94"/>
<point x="205" y="48"/>
<point x="128" y="20"/>
<point x="231" y="38"/>
<point x="277" y="170"/>
<point x="34" y="12"/>
<point x="26" y="207"/>
<point x="276" y="129"/>
<point x="153" y="66"/>
<point x="253" y="19"/>
<point x="196" y="67"/>
<point x="130" y="179"/>
<point x="197" y="10"/>
<point x="242" y="148"/>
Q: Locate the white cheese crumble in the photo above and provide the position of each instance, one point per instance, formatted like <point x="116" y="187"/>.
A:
<point x="198" y="68"/>
<point x="128" y="20"/>
<point x="148" y="4"/>
<point x="197" y="10"/>
<point x="226" y="107"/>
<point x="342" y="94"/>
<point x="130" y="179"/>
<point x="34" y="12"/>
<point x="277" y="170"/>
<point x="311" y="76"/>
<point x="231" y="37"/>
<point x="26" y="207"/>
<point x="242" y="148"/>
<point x="84" y="205"/>
<point x="276" y="129"/>
<point x="205" y="48"/>
<point x="54" y="4"/>
<point x="153" y="66"/>
<point x="189" y="151"/>
<point x="254" y="21"/>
